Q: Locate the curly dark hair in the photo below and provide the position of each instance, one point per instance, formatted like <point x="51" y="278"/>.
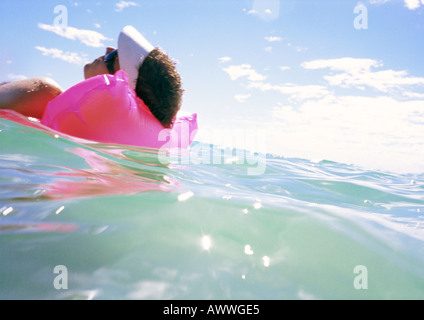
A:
<point x="159" y="86"/>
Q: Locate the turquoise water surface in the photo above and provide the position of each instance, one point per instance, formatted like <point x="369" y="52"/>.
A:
<point x="84" y="220"/>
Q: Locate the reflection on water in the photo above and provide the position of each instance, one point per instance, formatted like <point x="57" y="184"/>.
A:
<point x="104" y="177"/>
<point x="44" y="166"/>
<point x="40" y="227"/>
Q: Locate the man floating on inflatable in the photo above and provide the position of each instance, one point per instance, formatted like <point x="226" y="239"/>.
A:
<point x="131" y="95"/>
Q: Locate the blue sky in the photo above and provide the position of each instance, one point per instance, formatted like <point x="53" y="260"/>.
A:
<point x="293" y="78"/>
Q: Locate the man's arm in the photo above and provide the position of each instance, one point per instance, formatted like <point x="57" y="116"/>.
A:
<point x="28" y="97"/>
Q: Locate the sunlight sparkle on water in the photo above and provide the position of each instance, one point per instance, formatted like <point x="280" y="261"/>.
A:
<point x="248" y="250"/>
<point x="206" y="242"/>
<point x="7" y="211"/>
<point x="257" y="205"/>
<point x="60" y="209"/>
<point x="266" y="260"/>
<point x="185" y="196"/>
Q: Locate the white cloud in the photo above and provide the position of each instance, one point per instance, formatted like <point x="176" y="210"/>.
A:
<point x="244" y="70"/>
<point x="384" y="81"/>
<point x="412" y="4"/>
<point x="351" y="65"/>
<point x="357" y="73"/>
<point x="382" y="132"/>
<point x="273" y="39"/>
<point x="374" y="132"/>
<point x="284" y="68"/>
<point x="71" y="57"/>
<point x="251" y="11"/>
<point x="88" y="37"/>
<point x="413" y="95"/>
<point x="346" y="72"/>
<point x="15" y="77"/>
<point x="296" y="92"/>
<point x="378" y="2"/>
<point x="224" y="59"/>
<point x="121" y="5"/>
<point x="265" y="9"/>
<point x="242" y="97"/>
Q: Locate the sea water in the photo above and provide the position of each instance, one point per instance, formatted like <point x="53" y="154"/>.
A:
<point x="84" y="220"/>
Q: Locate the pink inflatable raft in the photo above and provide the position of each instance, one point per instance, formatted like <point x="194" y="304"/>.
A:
<point x="105" y="109"/>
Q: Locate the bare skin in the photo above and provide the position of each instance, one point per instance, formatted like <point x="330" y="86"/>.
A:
<point x="31" y="96"/>
<point x="99" y="67"/>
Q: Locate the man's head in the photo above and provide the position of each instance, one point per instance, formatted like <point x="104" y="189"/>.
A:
<point x="159" y="86"/>
<point x="152" y="74"/>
